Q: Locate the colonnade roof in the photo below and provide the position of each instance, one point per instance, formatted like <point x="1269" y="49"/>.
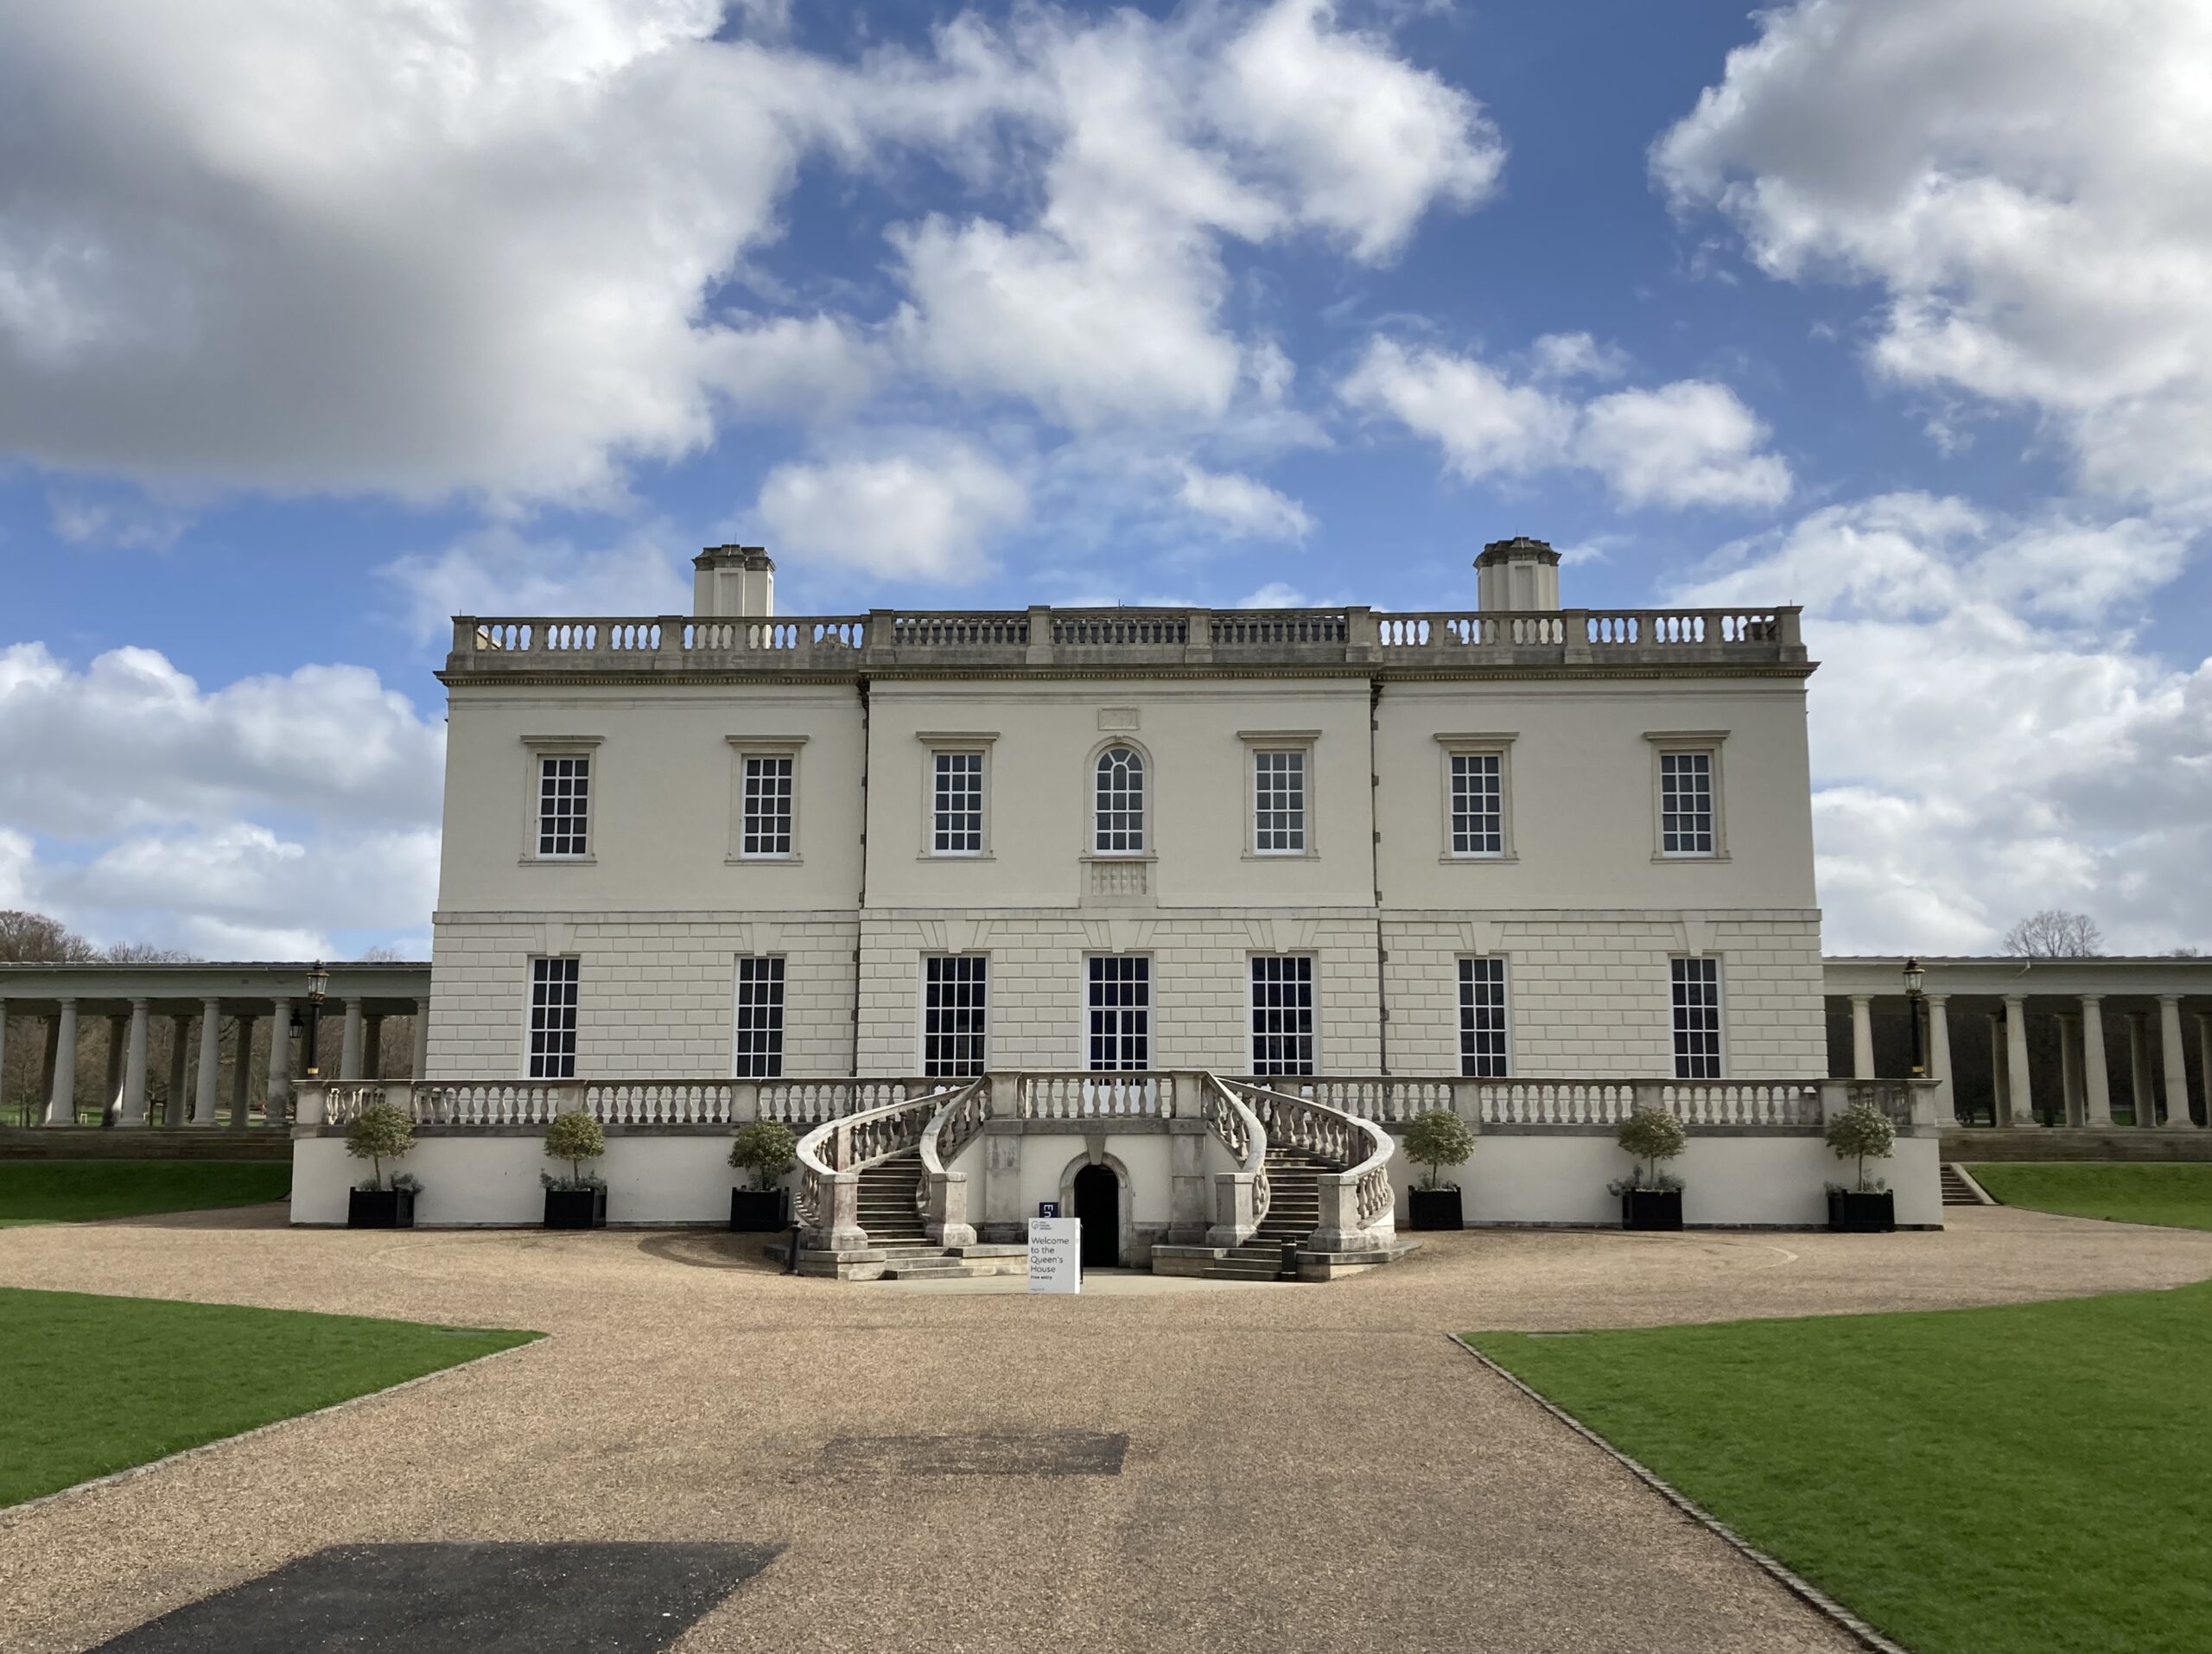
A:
<point x="385" y="988"/>
<point x="2144" y="977"/>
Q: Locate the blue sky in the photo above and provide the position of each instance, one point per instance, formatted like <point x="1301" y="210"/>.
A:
<point x="318" y="323"/>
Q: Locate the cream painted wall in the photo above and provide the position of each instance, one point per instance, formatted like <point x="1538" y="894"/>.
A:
<point x="1585" y="915"/>
<point x="664" y="781"/>
<point x="1039" y="768"/>
<point x="1583" y="784"/>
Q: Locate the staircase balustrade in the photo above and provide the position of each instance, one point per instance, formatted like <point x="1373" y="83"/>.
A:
<point x="1240" y="1197"/>
<point x="1357" y="1200"/>
<point x="832" y="1156"/>
<point x="941" y="1197"/>
<point x="1083" y="1096"/>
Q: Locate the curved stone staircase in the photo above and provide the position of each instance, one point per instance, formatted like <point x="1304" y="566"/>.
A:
<point x="1293" y="1213"/>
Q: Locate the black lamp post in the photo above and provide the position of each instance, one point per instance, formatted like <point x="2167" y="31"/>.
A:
<point x="1916" y="1006"/>
<point x="317" y="985"/>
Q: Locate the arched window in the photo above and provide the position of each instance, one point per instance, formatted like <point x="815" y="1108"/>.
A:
<point x="1120" y="829"/>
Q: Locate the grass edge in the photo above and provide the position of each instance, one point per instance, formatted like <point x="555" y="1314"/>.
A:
<point x="1790" y="1580"/>
<point x="9" y="1512"/>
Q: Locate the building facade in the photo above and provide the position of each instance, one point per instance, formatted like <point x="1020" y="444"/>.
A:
<point x="1532" y="842"/>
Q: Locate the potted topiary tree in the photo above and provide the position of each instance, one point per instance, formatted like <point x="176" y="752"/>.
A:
<point x="380" y="1132"/>
<point x="1437" y="1139"/>
<point x="1862" y="1132"/>
<point x="767" y="1149"/>
<point x="578" y="1200"/>
<point x="1650" y="1198"/>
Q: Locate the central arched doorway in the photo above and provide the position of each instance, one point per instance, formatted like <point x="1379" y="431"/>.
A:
<point x="1098" y="1205"/>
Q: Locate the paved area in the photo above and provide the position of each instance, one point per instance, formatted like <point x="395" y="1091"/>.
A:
<point x="1301" y="1467"/>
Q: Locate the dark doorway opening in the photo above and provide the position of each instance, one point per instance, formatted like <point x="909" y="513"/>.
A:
<point x="1098" y="1205"/>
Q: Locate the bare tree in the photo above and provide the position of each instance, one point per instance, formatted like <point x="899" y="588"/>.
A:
<point x="33" y="938"/>
<point x="2054" y="933"/>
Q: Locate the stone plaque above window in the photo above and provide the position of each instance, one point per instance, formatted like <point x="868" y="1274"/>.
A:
<point x="1118" y="717"/>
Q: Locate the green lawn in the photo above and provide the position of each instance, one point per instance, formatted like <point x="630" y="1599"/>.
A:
<point x="72" y="1191"/>
<point x="2179" y="1195"/>
<point x="98" y="1384"/>
<point x="2033" y="1476"/>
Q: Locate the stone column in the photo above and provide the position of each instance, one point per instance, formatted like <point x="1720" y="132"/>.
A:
<point x="1862" y="1037"/>
<point x="4" y="1056"/>
<point x="420" y="1063"/>
<point x="52" y="1055"/>
<point x="1999" y="1110"/>
<point x="277" y="1101"/>
<point x="133" y="1112"/>
<point x="112" y="1090"/>
<point x="2093" y="1061"/>
<point x="1939" y="1060"/>
<point x="211" y="1061"/>
<point x="349" y="1053"/>
<point x="61" y="1092"/>
<point x="2019" y="1089"/>
<point x="2139" y="1067"/>
<point x="180" y="1056"/>
<point x="2204" y="1061"/>
<point x="372" y="1047"/>
<point x="2176" y="1062"/>
<point x="242" y="1072"/>
<point x="2069" y="1068"/>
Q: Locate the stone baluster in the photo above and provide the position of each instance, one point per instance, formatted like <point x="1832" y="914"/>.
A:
<point x="133" y="1109"/>
<point x="62" y="1067"/>
<point x="2176" y="1063"/>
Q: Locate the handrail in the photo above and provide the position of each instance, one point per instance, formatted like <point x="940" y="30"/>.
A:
<point x="856" y="1143"/>
<point x="955" y="1126"/>
<point x="1360" y="1151"/>
<point x="1239" y="1132"/>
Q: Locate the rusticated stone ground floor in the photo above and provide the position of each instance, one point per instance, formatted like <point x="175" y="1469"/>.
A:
<point x="1259" y="1467"/>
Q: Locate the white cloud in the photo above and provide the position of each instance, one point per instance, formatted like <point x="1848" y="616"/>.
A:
<point x="130" y="741"/>
<point x="499" y="571"/>
<point x="130" y="525"/>
<point x="931" y="514"/>
<point x="2026" y="180"/>
<point x="260" y="818"/>
<point x="1973" y="763"/>
<point x="1688" y="443"/>
<point x="476" y="247"/>
<point x="1275" y="595"/>
<point x="1575" y="356"/>
<point x="1243" y="506"/>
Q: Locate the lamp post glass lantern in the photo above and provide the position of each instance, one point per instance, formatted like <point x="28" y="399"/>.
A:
<point x="1915" y="1004"/>
<point x="317" y="985"/>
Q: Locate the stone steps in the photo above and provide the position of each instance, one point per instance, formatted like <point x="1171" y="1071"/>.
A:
<point x="1957" y="1192"/>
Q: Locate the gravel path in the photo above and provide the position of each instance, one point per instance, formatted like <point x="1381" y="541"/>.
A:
<point x="1307" y="1467"/>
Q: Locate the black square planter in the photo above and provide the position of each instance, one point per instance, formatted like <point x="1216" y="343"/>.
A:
<point x="1853" y="1214"/>
<point x="575" y="1208"/>
<point x="1433" y="1209"/>
<point x="759" y="1212"/>
<point x="380" y="1208"/>
<point x="1651" y="1209"/>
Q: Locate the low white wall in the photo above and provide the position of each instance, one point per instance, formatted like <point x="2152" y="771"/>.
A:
<point x="1512" y="1179"/>
<point x="1748" y="1179"/>
<point x="650" y="1180"/>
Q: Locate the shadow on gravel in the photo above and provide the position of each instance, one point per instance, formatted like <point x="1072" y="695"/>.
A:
<point x="458" y="1599"/>
<point x="711" y="1249"/>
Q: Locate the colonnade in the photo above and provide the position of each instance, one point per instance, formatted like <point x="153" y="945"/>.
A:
<point x="126" y="1089"/>
<point x="2084" y="1076"/>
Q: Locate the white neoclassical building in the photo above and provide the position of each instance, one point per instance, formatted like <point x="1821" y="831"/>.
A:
<point x="1172" y="911"/>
